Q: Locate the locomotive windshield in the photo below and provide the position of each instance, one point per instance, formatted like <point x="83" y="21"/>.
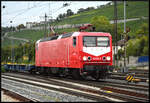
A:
<point x="95" y="41"/>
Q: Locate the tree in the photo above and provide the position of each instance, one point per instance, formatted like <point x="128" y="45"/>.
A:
<point x="101" y="23"/>
<point x="138" y="46"/>
<point x="57" y="19"/>
<point x="145" y="51"/>
<point x="144" y="30"/>
<point x="64" y="15"/>
<point x="80" y="10"/>
<point x="21" y="26"/>
<point x="145" y="45"/>
<point x="131" y="50"/>
<point x="6" y="54"/>
<point x="60" y="16"/>
<point x="69" y="12"/>
<point x="89" y="8"/>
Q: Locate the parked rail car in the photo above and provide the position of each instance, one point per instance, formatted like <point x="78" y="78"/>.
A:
<point x="18" y="67"/>
<point x="77" y="54"/>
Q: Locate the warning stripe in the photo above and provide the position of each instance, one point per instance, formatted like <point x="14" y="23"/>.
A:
<point x="128" y="77"/>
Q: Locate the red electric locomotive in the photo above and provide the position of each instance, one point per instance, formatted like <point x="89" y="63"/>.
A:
<point x="77" y="54"/>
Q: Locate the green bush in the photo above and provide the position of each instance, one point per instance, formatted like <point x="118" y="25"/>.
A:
<point x="2" y="69"/>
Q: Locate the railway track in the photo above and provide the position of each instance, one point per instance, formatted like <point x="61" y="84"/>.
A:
<point x="141" y="75"/>
<point x="136" y="75"/>
<point x="138" y="71"/>
<point x="39" y="91"/>
<point x="121" y="77"/>
<point x="99" y="91"/>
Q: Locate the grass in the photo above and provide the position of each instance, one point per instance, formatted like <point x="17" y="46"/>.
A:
<point x="28" y="34"/>
<point x="8" y="42"/>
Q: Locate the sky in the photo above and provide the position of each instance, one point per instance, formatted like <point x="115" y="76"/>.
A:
<point x="20" y="12"/>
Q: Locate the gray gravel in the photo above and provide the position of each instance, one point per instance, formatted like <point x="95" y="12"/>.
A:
<point x="7" y="98"/>
<point x="40" y="94"/>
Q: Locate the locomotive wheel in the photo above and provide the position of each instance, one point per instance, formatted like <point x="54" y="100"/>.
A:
<point x="76" y="74"/>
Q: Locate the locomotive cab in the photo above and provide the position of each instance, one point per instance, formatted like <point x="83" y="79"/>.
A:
<point x="96" y="53"/>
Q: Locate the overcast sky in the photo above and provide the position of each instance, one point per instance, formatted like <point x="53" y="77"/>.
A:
<point x="20" y="12"/>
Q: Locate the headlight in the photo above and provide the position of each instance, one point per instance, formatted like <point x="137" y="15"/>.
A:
<point x="84" y="58"/>
<point x="108" y="58"/>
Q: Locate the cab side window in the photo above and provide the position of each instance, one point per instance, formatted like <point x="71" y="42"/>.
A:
<point x="74" y="41"/>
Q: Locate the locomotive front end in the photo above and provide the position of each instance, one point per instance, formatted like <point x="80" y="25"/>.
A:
<point x="96" y="54"/>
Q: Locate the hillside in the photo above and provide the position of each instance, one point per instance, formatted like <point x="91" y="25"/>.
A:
<point x="134" y="9"/>
<point x="31" y="35"/>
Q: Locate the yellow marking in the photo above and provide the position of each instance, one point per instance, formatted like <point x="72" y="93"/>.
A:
<point x="9" y="63"/>
<point x="108" y="91"/>
<point x="131" y="78"/>
<point x="128" y="77"/>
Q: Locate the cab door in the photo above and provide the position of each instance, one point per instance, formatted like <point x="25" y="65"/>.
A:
<point x="74" y="57"/>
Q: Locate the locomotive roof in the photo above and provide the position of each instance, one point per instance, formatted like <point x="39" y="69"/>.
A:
<point x="56" y="37"/>
<point x="68" y="35"/>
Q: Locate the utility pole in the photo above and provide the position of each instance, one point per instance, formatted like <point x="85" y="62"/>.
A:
<point x="115" y="29"/>
<point x="49" y="23"/>
<point x="12" y="48"/>
<point x="125" y="35"/>
<point x="45" y="24"/>
<point x="124" y="16"/>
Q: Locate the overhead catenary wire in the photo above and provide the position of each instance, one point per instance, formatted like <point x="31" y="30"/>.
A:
<point x="14" y="12"/>
<point x="25" y="10"/>
<point x="22" y="11"/>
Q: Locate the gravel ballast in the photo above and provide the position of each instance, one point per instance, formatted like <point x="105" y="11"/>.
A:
<point x="6" y="98"/>
<point x="40" y="94"/>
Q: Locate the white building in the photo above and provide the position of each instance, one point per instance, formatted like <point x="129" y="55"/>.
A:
<point x="29" y="25"/>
